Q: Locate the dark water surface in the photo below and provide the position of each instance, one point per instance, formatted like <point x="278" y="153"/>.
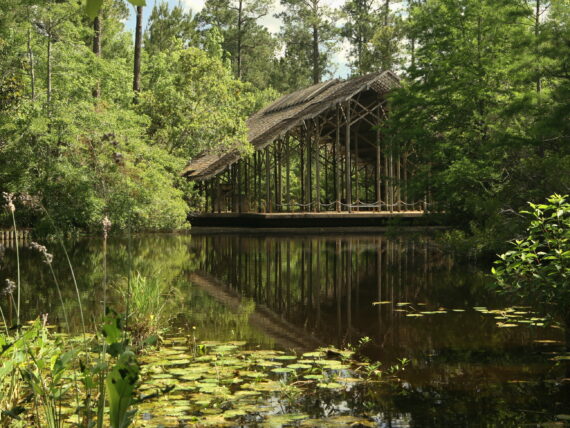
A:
<point x="468" y="366"/>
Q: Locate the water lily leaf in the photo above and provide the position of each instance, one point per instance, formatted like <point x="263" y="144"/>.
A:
<point x="281" y="420"/>
<point x="283" y="370"/>
<point x="252" y="374"/>
<point x="330" y="385"/>
<point x="176" y="362"/>
<point x="285" y="357"/>
<point x="230" y="414"/>
<point x="162" y="376"/>
<point x="244" y="393"/>
<point x="314" y="377"/>
<point x="384" y="302"/>
<point x="299" y="366"/>
<point x="317" y="354"/>
<point x="224" y="349"/>
<point x="268" y="363"/>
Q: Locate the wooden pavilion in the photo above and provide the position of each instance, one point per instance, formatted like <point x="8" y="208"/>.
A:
<point x="316" y="150"/>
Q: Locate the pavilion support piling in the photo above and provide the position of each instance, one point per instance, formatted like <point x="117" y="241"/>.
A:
<point x="309" y="140"/>
<point x="337" y="160"/>
<point x="356" y="175"/>
<point x="267" y="180"/>
<point x="347" y="158"/>
<point x="302" y="168"/>
<point x="377" y="164"/>
<point x="288" y="170"/>
<point x="317" y="169"/>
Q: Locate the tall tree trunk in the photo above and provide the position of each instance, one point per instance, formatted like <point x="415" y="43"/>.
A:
<point x="316" y="65"/>
<point x="97" y="50"/>
<point x="239" y="29"/>
<point x="48" y="68"/>
<point x="537" y="41"/>
<point x="32" y="67"/>
<point x="138" y="49"/>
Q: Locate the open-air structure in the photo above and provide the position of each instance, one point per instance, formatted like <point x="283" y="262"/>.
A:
<point x="318" y="150"/>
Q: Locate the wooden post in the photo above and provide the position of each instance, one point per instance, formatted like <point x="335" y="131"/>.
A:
<point x="277" y="174"/>
<point x="288" y="170"/>
<point x="405" y="175"/>
<point x="337" y="160"/>
<point x="246" y="203"/>
<point x="267" y="180"/>
<point x="239" y="184"/>
<point x="386" y="181"/>
<point x="309" y="139"/>
<point x="377" y="179"/>
<point x="399" y="181"/>
<point x="356" y="195"/>
<point x="218" y="195"/>
<point x="302" y="167"/>
<point x="316" y="135"/>
<point x="347" y="158"/>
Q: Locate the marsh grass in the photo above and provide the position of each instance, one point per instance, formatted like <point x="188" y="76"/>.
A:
<point x="47" y="380"/>
<point x="152" y="305"/>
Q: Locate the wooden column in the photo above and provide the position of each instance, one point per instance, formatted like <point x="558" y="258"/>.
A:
<point x="337" y="160"/>
<point x="302" y="167"/>
<point x="246" y="196"/>
<point x="399" y="180"/>
<point x="316" y="135"/>
<point x="277" y="174"/>
<point x="267" y="180"/>
<point x="218" y="195"/>
<point x="239" y="184"/>
<point x="309" y="140"/>
<point x="377" y="175"/>
<point x="347" y="158"/>
<point x="288" y="170"/>
<point x="356" y="175"/>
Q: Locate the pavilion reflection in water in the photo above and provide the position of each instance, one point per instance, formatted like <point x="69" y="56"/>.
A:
<point x="325" y="286"/>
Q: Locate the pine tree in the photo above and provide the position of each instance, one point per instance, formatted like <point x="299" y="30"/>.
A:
<point x="309" y="34"/>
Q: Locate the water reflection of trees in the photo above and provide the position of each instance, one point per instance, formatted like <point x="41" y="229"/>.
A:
<point x="152" y="255"/>
<point x="326" y="285"/>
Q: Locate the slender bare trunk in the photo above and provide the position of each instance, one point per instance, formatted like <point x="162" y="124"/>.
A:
<point x="316" y="65"/>
<point x="138" y="49"/>
<point x="48" y="67"/>
<point x="537" y="41"/>
<point x="239" y="37"/>
<point x="97" y="51"/>
<point x="32" y="67"/>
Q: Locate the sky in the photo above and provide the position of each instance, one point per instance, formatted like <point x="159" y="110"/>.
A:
<point x="340" y="58"/>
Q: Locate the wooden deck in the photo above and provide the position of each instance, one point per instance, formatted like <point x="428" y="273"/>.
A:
<point x="311" y="219"/>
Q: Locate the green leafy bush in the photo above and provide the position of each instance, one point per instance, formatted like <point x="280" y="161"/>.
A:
<point x="537" y="268"/>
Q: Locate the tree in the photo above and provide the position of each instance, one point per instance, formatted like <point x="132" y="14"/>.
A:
<point x="248" y="44"/>
<point x="308" y="33"/>
<point x="195" y="104"/>
<point x="166" y="25"/>
<point x="138" y="52"/>
<point x="362" y="18"/>
<point x="537" y="268"/>
<point x="472" y="114"/>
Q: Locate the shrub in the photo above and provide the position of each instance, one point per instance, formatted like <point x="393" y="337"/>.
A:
<point x="537" y="268"/>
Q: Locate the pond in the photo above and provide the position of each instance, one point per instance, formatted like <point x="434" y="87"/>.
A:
<point x="473" y="359"/>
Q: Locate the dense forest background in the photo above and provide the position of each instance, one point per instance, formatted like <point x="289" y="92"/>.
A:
<point x="95" y="122"/>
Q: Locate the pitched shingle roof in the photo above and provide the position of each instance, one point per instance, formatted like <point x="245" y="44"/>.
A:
<point x="286" y="113"/>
